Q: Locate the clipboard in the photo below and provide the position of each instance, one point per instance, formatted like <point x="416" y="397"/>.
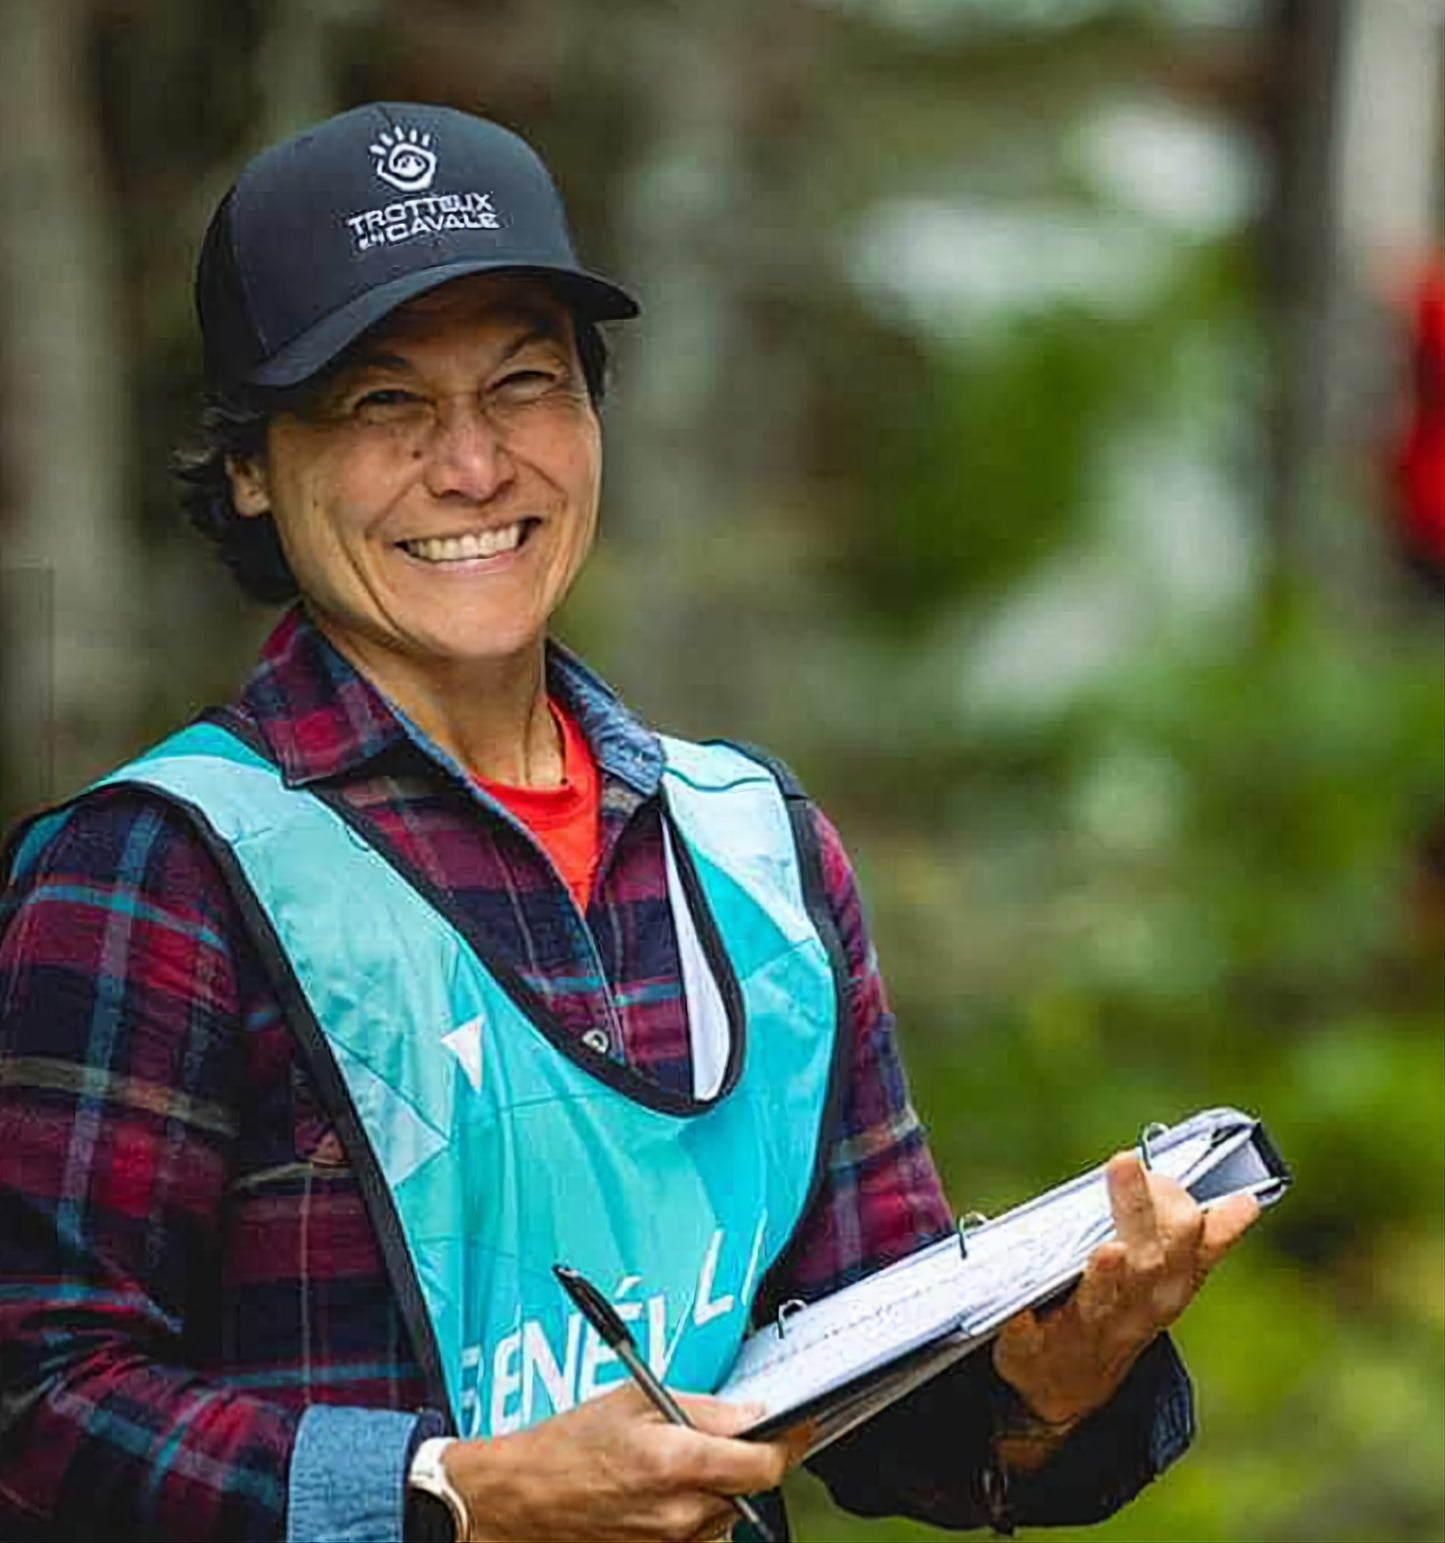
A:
<point x="844" y="1358"/>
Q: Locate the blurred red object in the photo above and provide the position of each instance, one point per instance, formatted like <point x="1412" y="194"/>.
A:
<point x="1418" y="463"/>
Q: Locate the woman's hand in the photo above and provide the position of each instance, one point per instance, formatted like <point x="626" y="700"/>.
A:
<point x="613" y="1469"/>
<point x="1067" y="1362"/>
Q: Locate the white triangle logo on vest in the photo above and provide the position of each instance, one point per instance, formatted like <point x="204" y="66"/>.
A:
<point x="465" y="1043"/>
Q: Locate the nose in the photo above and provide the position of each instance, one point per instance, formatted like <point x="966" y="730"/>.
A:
<point x="466" y="454"/>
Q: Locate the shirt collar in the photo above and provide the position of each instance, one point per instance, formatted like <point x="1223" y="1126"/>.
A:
<point x="321" y="717"/>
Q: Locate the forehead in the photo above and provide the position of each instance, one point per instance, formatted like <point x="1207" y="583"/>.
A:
<point x="480" y="305"/>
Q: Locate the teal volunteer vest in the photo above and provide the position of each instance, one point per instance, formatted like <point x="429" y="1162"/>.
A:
<point x="489" y="1143"/>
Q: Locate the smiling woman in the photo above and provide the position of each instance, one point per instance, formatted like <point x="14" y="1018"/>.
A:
<point x="335" y="1021"/>
<point x="434" y="499"/>
<point x="235" y="424"/>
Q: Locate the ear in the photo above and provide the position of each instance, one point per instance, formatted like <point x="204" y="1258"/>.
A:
<point x="250" y="492"/>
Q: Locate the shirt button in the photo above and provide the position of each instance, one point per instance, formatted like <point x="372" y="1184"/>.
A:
<point x="596" y="1039"/>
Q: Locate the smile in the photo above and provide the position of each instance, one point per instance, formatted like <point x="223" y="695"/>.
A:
<point x="481" y="543"/>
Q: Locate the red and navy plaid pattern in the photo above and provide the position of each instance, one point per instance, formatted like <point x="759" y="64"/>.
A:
<point x="185" y="1259"/>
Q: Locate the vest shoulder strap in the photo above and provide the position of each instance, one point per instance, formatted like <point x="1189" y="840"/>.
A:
<point x="820" y="912"/>
<point x="782" y="773"/>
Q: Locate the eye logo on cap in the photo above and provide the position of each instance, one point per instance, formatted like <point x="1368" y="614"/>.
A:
<point x="405" y="159"/>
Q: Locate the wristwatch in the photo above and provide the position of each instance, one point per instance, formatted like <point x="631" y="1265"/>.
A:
<point x="436" y="1510"/>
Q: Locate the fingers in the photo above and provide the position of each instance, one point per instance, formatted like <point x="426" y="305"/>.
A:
<point x="1157" y="1220"/>
<point x="1224" y="1225"/>
<point x="1071" y="1360"/>
<point x="1131" y="1201"/>
<point x="717" y="1416"/>
<point x="1105" y="1283"/>
<point x="1021" y="1336"/>
<point x="725" y="1465"/>
<point x="1151" y="1211"/>
<point x="611" y="1468"/>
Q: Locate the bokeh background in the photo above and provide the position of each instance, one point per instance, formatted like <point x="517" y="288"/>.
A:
<point x="1030" y="438"/>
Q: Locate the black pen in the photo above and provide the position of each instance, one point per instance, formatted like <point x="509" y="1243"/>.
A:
<point x="603" y="1317"/>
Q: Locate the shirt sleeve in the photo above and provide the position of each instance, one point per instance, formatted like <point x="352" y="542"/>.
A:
<point x="347" y="1481"/>
<point x="880" y="1196"/>
<point x="880" y="1200"/>
<point x="120" y="1084"/>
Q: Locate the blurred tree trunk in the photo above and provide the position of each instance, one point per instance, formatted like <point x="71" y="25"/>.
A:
<point x="1356" y="128"/>
<point x="1302" y="259"/>
<point x="674" y="416"/>
<point x="708" y="418"/>
<point x="1391" y="219"/>
<point x="296" y="63"/>
<point x="72" y="575"/>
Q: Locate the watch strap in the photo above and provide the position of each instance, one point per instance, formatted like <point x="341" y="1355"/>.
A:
<point x="436" y="1510"/>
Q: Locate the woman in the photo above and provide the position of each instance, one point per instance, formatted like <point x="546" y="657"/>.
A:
<point x="336" y="1021"/>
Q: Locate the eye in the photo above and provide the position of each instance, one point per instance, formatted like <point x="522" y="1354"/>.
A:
<point x="389" y="405"/>
<point x="528" y="384"/>
<point x="384" y="397"/>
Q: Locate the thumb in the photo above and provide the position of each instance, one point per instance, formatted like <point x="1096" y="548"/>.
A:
<point x="1224" y="1225"/>
<point x="798" y="1440"/>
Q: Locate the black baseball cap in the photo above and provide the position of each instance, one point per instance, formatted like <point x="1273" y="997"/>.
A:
<point x="327" y="232"/>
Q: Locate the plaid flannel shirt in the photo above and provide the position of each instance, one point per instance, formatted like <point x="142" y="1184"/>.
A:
<point x="198" y="1338"/>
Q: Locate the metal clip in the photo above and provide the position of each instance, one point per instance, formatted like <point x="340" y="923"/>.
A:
<point x="786" y="1311"/>
<point x="966" y="1224"/>
<point x="1152" y="1131"/>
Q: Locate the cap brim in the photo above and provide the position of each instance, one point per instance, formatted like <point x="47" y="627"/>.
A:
<point x="590" y="295"/>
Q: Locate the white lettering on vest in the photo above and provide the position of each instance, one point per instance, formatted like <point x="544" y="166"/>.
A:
<point x="705" y="1307"/>
<point x="538" y="1362"/>
<point x="533" y="1376"/>
<point x="469" y="1416"/>
<point x="597" y="1357"/>
<point x="506" y="1384"/>
<point x="659" y="1352"/>
<point x="755" y="1258"/>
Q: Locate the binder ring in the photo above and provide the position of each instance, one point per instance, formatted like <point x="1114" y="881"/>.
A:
<point x="786" y="1311"/>
<point x="966" y="1224"/>
<point x="1151" y="1132"/>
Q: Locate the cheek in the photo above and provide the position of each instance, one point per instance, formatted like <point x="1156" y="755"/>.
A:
<point x="297" y="521"/>
<point x="314" y="545"/>
<point x="326" y="514"/>
<point x="574" y="470"/>
<point x="589" y="481"/>
<point x="589" y="497"/>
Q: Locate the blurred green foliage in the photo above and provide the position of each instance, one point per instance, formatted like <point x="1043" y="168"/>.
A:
<point x="1214" y="905"/>
<point x="1194" y="882"/>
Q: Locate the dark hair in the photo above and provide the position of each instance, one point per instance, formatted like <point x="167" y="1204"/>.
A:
<point x="234" y="427"/>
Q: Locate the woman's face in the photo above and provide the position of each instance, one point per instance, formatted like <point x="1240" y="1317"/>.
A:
<point x="439" y="496"/>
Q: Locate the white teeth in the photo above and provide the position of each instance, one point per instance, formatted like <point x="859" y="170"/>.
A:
<point x="481" y="543"/>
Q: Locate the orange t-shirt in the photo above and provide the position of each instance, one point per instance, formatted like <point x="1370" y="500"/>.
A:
<point x="566" y="820"/>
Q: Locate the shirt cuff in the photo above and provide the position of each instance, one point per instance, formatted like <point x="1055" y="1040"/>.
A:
<point x="929" y="1454"/>
<point x="347" y="1482"/>
<point x="1112" y="1455"/>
